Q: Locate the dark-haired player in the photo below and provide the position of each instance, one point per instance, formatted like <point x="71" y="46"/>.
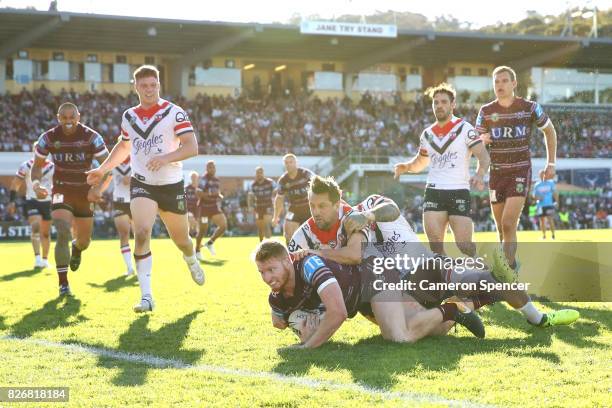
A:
<point x="447" y="146"/>
<point x="73" y="146"/>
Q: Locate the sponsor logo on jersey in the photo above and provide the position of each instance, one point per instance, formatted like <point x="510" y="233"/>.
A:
<point x="508" y="132"/>
<point x="440" y="161"/>
<point x="145" y="145"/>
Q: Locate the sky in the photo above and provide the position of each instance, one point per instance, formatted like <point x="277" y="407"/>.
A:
<point x="268" y="11"/>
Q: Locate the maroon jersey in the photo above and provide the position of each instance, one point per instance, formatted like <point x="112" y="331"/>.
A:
<point x="312" y="275"/>
<point x="191" y="197"/>
<point x="510" y="130"/>
<point x="211" y="185"/>
<point x="263" y="192"/>
<point x="296" y="189"/>
<point x="72" y="155"/>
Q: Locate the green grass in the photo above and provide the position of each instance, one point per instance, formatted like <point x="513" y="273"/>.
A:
<point x="226" y="325"/>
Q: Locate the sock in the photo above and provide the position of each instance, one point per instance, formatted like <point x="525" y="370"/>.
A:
<point x="531" y="313"/>
<point x="127" y="256"/>
<point x="37" y="258"/>
<point x="144" y="265"/>
<point x="76" y="251"/>
<point x="210" y="242"/>
<point x="482" y="300"/>
<point x="62" y="274"/>
<point x="449" y="311"/>
<point x="190" y="259"/>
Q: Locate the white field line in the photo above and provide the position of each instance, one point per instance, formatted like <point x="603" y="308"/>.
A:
<point x="159" y="362"/>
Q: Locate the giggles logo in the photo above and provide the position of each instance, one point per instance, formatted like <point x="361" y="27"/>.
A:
<point x="145" y="145"/>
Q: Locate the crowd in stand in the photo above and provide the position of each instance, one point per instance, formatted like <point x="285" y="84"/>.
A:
<point x="301" y="124"/>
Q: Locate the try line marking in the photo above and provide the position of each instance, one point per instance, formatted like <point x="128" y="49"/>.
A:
<point x="159" y="362"/>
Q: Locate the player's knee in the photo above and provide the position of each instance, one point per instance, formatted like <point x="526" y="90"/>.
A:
<point x="508" y="225"/>
<point x="35" y="227"/>
<point x="142" y="234"/>
<point x="63" y="231"/>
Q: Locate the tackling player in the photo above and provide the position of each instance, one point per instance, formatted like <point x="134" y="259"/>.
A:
<point x="157" y="136"/>
<point x="446" y="146"/>
<point x="260" y="197"/>
<point x="37" y="211"/>
<point x="73" y="146"/>
<point x="209" y="192"/>
<point x="294" y="184"/>
<point x="121" y="211"/>
<point x="546" y="195"/>
<point x="505" y="124"/>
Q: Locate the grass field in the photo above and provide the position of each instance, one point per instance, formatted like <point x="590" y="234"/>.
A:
<point x="214" y="345"/>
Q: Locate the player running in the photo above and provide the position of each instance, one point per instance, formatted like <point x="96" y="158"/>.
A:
<point x="37" y="211"/>
<point x="505" y="124"/>
<point x="446" y="146"/>
<point x="260" y="197"/>
<point x="209" y="192"/>
<point x="73" y="146"/>
<point x="294" y="184"/>
<point x="546" y="194"/>
<point x="157" y="136"/>
<point x="192" y="200"/>
<point x="121" y="211"/>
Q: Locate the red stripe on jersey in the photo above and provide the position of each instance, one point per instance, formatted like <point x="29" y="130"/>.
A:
<point x="443" y="131"/>
<point x="148" y="113"/>
<point x="182" y="126"/>
<point x="124" y="133"/>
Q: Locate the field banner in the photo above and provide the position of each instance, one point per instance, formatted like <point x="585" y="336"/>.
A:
<point x="17" y="231"/>
<point x="348" y="29"/>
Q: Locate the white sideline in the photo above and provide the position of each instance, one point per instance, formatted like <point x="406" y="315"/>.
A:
<point x="413" y="398"/>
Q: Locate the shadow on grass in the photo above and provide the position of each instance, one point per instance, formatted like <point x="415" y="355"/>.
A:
<point x="214" y="262"/>
<point x="442" y="353"/>
<point x="113" y="285"/>
<point x="166" y="342"/>
<point x="20" y="274"/>
<point x="58" y="312"/>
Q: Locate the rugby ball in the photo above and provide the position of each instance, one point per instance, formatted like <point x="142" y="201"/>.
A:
<point x="298" y="316"/>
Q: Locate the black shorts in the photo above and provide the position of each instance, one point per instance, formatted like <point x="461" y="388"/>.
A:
<point x="169" y="197"/>
<point x="121" y="208"/>
<point x="35" y="207"/>
<point x="454" y="202"/>
<point x="547" y="211"/>
<point x="298" y="214"/>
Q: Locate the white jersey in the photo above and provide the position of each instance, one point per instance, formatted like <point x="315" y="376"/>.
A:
<point x="309" y="236"/>
<point x="393" y="231"/>
<point x="121" y="192"/>
<point x="46" y="180"/>
<point x="155" y="131"/>
<point x="448" y="149"/>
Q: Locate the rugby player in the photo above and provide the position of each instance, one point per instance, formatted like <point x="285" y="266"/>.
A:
<point x="546" y="195"/>
<point x="209" y="192"/>
<point x="38" y="212"/>
<point x="192" y="200"/>
<point x="446" y="146"/>
<point x="505" y="125"/>
<point x="121" y="211"/>
<point x="314" y="281"/>
<point x="157" y="136"/>
<point x="260" y="198"/>
<point x="378" y="224"/>
<point x="73" y="146"/>
<point x="293" y="184"/>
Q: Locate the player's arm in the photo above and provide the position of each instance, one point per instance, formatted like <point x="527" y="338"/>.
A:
<point x="482" y="156"/>
<point x="349" y="254"/>
<point x="16" y="186"/>
<point x="119" y="153"/>
<point x="36" y="175"/>
<point x="278" y="322"/>
<point x="279" y="204"/>
<point x="335" y="315"/>
<point x="385" y="211"/>
<point x="415" y="165"/>
<point x="250" y="199"/>
<point x="550" y="139"/>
